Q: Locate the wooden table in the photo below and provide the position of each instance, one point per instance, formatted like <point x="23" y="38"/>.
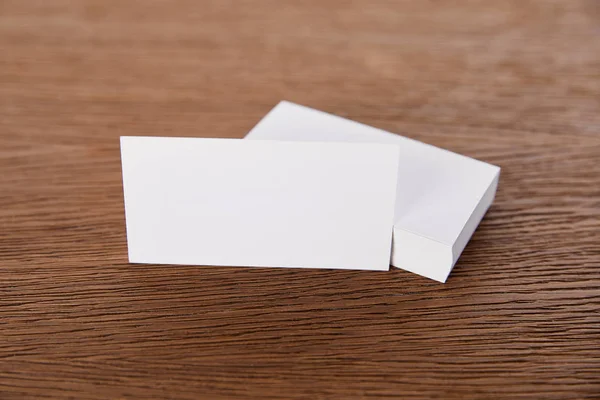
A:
<point x="513" y="83"/>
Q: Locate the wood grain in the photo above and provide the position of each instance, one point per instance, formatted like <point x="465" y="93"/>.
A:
<point x="514" y="83"/>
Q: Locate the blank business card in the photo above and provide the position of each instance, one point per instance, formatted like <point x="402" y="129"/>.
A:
<point x="442" y="196"/>
<point x="266" y="203"/>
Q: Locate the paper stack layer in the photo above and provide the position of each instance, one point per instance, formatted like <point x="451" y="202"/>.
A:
<point x="442" y="196"/>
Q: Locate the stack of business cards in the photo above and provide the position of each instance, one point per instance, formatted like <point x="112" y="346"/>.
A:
<point x="310" y="190"/>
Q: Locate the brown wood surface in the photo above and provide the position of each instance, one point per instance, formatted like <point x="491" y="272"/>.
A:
<point x="514" y="83"/>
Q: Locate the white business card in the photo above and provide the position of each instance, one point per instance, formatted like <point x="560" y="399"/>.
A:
<point x="442" y="196"/>
<point x="232" y="202"/>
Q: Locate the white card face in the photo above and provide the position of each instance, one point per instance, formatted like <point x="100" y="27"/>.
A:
<point x="442" y="196"/>
<point x="233" y="202"/>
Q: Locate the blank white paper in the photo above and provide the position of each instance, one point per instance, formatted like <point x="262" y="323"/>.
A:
<point x="232" y="202"/>
<point x="442" y="196"/>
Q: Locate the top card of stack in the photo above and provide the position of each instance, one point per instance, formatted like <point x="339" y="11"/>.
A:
<point x="441" y="196"/>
